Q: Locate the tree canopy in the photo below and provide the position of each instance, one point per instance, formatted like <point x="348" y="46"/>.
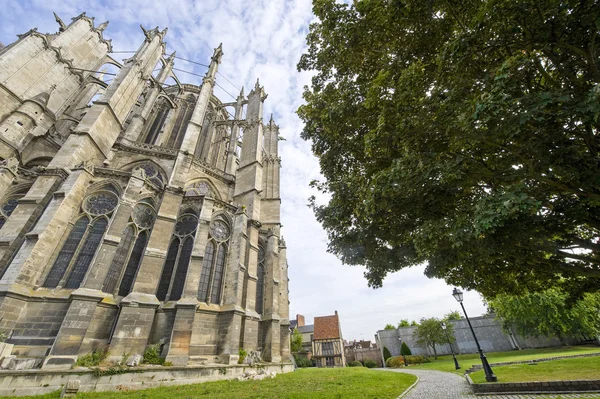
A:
<point x="389" y="327"/>
<point x="296" y="341"/>
<point x="549" y="313"/>
<point x="429" y="333"/>
<point x="463" y="134"/>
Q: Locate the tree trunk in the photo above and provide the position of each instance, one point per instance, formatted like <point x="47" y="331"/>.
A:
<point x="434" y="352"/>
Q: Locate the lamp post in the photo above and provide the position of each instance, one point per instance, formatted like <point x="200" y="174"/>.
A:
<point x="456" y="365"/>
<point x="403" y="355"/>
<point x="489" y="374"/>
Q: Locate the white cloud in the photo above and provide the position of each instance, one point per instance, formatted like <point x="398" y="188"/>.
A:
<point x="261" y="39"/>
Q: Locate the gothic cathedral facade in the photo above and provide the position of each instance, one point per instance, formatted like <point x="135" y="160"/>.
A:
<point x="134" y="212"/>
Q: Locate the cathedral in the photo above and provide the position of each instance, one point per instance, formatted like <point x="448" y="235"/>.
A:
<point x="135" y="212"/>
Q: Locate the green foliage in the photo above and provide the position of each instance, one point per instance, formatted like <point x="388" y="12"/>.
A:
<point x="460" y="134"/>
<point x="93" y="359"/>
<point x="370" y="364"/>
<point x="405" y="350"/>
<point x="386" y="353"/>
<point x="413" y="323"/>
<point x="167" y="364"/>
<point x="454" y="315"/>
<point x="429" y="333"/>
<point x="242" y="353"/>
<point x="549" y="313"/>
<point x="302" y="361"/>
<point x="398" y="361"/>
<point x="152" y="355"/>
<point x="355" y="363"/>
<point x="296" y="345"/>
<point x="114" y="370"/>
<point x="404" y="323"/>
<point x="395" y="362"/>
<point x="389" y="327"/>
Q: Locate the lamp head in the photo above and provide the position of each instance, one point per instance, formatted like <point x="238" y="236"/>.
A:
<point x="443" y="326"/>
<point x="458" y="295"/>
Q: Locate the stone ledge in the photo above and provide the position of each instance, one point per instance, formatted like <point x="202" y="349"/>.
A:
<point x="534" y="387"/>
<point x="36" y="382"/>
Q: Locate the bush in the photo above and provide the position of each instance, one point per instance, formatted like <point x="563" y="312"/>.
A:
<point x="152" y="355"/>
<point x="370" y="364"/>
<point x="243" y="355"/>
<point x="355" y="363"/>
<point x="386" y="353"/>
<point x="405" y="350"/>
<point x="93" y="359"/>
<point x="398" y="361"/>
<point x="302" y="361"/>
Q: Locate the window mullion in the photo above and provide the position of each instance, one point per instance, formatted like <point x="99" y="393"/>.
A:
<point x="175" y="267"/>
<point x="212" y="273"/>
<point x="69" y="268"/>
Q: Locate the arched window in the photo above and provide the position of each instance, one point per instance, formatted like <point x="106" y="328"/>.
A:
<point x="172" y="283"/>
<point x="152" y="173"/>
<point x="186" y="110"/>
<point x="213" y="267"/>
<point x="260" y="280"/>
<point x="161" y="110"/>
<point x="8" y="206"/>
<point x="76" y="254"/>
<point x="131" y="249"/>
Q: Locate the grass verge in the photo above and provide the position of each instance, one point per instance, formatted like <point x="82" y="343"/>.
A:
<point x="346" y="383"/>
<point x="582" y="368"/>
<point x="445" y="363"/>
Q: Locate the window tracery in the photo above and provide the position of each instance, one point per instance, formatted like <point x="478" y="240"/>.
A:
<point x="78" y="250"/>
<point x="200" y="188"/>
<point x="172" y="280"/>
<point x="130" y="251"/>
<point x="151" y="172"/>
<point x="213" y="267"/>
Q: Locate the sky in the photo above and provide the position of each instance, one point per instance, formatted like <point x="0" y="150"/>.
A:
<point x="261" y="39"/>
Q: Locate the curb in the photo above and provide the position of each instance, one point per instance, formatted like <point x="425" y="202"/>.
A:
<point x="403" y="394"/>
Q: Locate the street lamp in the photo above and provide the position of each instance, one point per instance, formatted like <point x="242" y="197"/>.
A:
<point x="456" y="365"/>
<point x="489" y="374"/>
<point x="403" y="355"/>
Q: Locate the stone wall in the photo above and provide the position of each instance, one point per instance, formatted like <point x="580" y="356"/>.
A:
<point x="36" y="382"/>
<point x="361" y="355"/>
<point x="488" y="329"/>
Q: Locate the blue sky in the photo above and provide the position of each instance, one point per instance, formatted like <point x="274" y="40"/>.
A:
<point x="261" y="39"/>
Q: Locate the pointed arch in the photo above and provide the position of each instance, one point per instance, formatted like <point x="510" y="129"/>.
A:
<point x="154" y="172"/>
<point x="66" y="252"/>
<point x="106" y="185"/>
<point x="87" y="252"/>
<point x="202" y="186"/>
<point x="133" y="264"/>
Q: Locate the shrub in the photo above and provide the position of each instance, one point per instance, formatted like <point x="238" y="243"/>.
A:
<point x="398" y="361"/>
<point x="386" y="353"/>
<point x="395" y="362"/>
<point x="302" y="361"/>
<point x="243" y="355"/>
<point x="92" y="359"/>
<point x="152" y="355"/>
<point x="405" y="350"/>
<point x="355" y="363"/>
<point x="417" y="359"/>
<point x="370" y="364"/>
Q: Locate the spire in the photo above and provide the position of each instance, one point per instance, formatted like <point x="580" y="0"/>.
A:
<point x="241" y="93"/>
<point x="271" y="121"/>
<point x="61" y="24"/>
<point x="102" y="26"/>
<point x="171" y="58"/>
<point x="257" y="85"/>
<point x="214" y="63"/>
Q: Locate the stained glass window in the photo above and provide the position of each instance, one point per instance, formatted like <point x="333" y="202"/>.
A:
<point x="260" y="282"/>
<point x="182" y="268"/>
<point x="151" y="173"/>
<point x="215" y="295"/>
<point x="133" y="264"/>
<point x="165" y="278"/>
<point x="9" y="206"/>
<point x="143" y="215"/>
<point x="185" y="114"/>
<point x="2" y="221"/>
<point x="101" y="203"/>
<point x="186" y="225"/>
<point x="66" y="253"/>
<point x="219" y="230"/>
<point x="198" y="188"/>
<point x="87" y="253"/>
<point x="119" y="260"/>
<point x="206" y="269"/>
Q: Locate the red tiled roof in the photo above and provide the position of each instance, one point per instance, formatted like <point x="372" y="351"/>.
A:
<point x="327" y="327"/>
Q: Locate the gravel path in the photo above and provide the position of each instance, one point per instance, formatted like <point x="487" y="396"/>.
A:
<point x="435" y="384"/>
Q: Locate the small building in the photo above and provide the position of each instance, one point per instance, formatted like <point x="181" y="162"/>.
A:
<point x="328" y="344"/>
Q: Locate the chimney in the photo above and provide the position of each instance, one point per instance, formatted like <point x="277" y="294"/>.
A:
<point x="300" y="320"/>
<point x="336" y="312"/>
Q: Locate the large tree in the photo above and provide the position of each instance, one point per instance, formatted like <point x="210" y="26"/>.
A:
<point x="463" y="134"/>
<point x="429" y="333"/>
<point x="549" y="313"/>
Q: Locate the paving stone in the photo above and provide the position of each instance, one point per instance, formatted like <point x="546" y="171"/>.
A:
<point x="435" y="384"/>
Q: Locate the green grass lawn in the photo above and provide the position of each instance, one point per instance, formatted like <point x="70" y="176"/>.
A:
<point x="344" y="383"/>
<point x="583" y="368"/>
<point x="445" y="363"/>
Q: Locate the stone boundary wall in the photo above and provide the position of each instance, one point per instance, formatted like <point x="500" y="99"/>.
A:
<point x="36" y="382"/>
<point x="477" y="367"/>
<point x="488" y="329"/>
<point x="363" y="354"/>
<point x="535" y="387"/>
